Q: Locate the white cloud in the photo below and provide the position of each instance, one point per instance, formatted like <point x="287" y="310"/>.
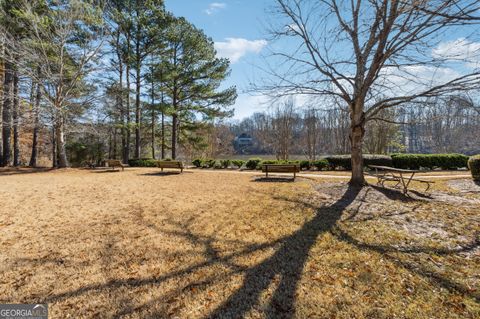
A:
<point x="236" y="48"/>
<point x="214" y="7"/>
<point x="246" y="105"/>
<point x="462" y="50"/>
<point x="415" y="79"/>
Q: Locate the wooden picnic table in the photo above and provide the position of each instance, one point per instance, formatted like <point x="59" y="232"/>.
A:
<point x="403" y="177"/>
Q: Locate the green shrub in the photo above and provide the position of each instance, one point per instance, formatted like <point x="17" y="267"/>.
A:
<point x="320" y="164"/>
<point x="225" y="163"/>
<point x="197" y="162"/>
<point x="377" y="159"/>
<point x="142" y="162"/>
<point x="252" y="163"/>
<point x="208" y="163"/>
<point x="305" y="165"/>
<point x="429" y="161"/>
<point x="271" y="162"/>
<point x="339" y="161"/>
<point x="474" y="166"/>
<point x="238" y="163"/>
<point x="345" y="161"/>
<point x="218" y="165"/>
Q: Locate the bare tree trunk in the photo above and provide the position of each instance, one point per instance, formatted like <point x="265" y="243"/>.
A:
<point x="16" y="143"/>
<point x="357" y="132"/>
<point x="54" y="148"/>
<point x="7" y="113"/>
<point x="60" y="143"/>
<point x="36" y="114"/>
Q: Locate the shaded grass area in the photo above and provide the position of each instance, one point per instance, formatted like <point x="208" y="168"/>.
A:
<point x="135" y="244"/>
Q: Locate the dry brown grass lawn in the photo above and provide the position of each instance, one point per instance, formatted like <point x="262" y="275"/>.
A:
<point x="137" y="244"/>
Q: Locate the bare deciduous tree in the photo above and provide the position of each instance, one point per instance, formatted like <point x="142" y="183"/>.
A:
<point x="371" y="55"/>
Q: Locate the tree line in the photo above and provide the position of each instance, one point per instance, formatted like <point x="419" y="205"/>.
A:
<point x="449" y="124"/>
<point x="76" y="70"/>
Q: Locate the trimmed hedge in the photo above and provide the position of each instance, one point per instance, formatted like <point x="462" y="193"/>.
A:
<point x="142" y="162"/>
<point x="474" y="166"/>
<point x="406" y="161"/>
<point x="252" y="163"/>
<point x="225" y="163"/>
<point x="320" y="164"/>
<point x="430" y="161"/>
<point x="345" y="161"/>
<point x="238" y="163"/>
<point x="197" y="162"/>
<point x="208" y="163"/>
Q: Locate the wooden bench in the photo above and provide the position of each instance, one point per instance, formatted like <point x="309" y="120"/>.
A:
<point x="170" y="164"/>
<point x="281" y="168"/>
<point x="401" y="176"/>
<point x="115" y="163"/>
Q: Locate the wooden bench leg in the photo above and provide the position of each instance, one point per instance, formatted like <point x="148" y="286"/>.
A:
<point x="294" y="175"/>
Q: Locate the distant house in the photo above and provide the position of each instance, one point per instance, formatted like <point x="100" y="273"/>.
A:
<point x="243" y="143"/>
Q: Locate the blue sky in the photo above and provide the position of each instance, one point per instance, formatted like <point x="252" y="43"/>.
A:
<point x="238" y="29"/>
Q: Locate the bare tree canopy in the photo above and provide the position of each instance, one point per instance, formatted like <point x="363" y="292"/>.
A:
<point x="372" y="55"/>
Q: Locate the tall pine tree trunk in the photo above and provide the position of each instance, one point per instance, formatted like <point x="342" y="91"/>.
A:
<point x="16" y="143"/>
<point x="36" y="120"/>
<point x="7" y="113"/>
<point x="163" y="135"/>
<point x="153" y="121"/>
<point x="127" y="111"/>
<point x="114" y="143"/>
<point x="137" y="101"/>
<point x="174" y="136"/>
<point x="122" y="115"/>
<point x="2" y="76"/>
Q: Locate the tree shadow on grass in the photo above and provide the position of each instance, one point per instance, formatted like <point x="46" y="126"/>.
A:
<point x="107" y="171"/>
<point x="391" y="253"/>
<point x="166" y="173"/>
<point x="19" y="171"/>
<point x="287" y="263"/>
<point x="279" y="179"/>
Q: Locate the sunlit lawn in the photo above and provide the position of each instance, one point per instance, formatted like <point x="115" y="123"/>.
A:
<point x="138" y="244"/>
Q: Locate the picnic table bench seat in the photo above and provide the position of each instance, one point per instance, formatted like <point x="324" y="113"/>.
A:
<point x="170" y="164"/>
<point x="387" y="173"/>
<point x="281" y="168"/>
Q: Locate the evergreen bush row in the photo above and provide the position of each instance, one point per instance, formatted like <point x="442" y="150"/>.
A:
<point x="334" y="162"/>
<point x="343" y="162"/>
<point x="429" y="161"/>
